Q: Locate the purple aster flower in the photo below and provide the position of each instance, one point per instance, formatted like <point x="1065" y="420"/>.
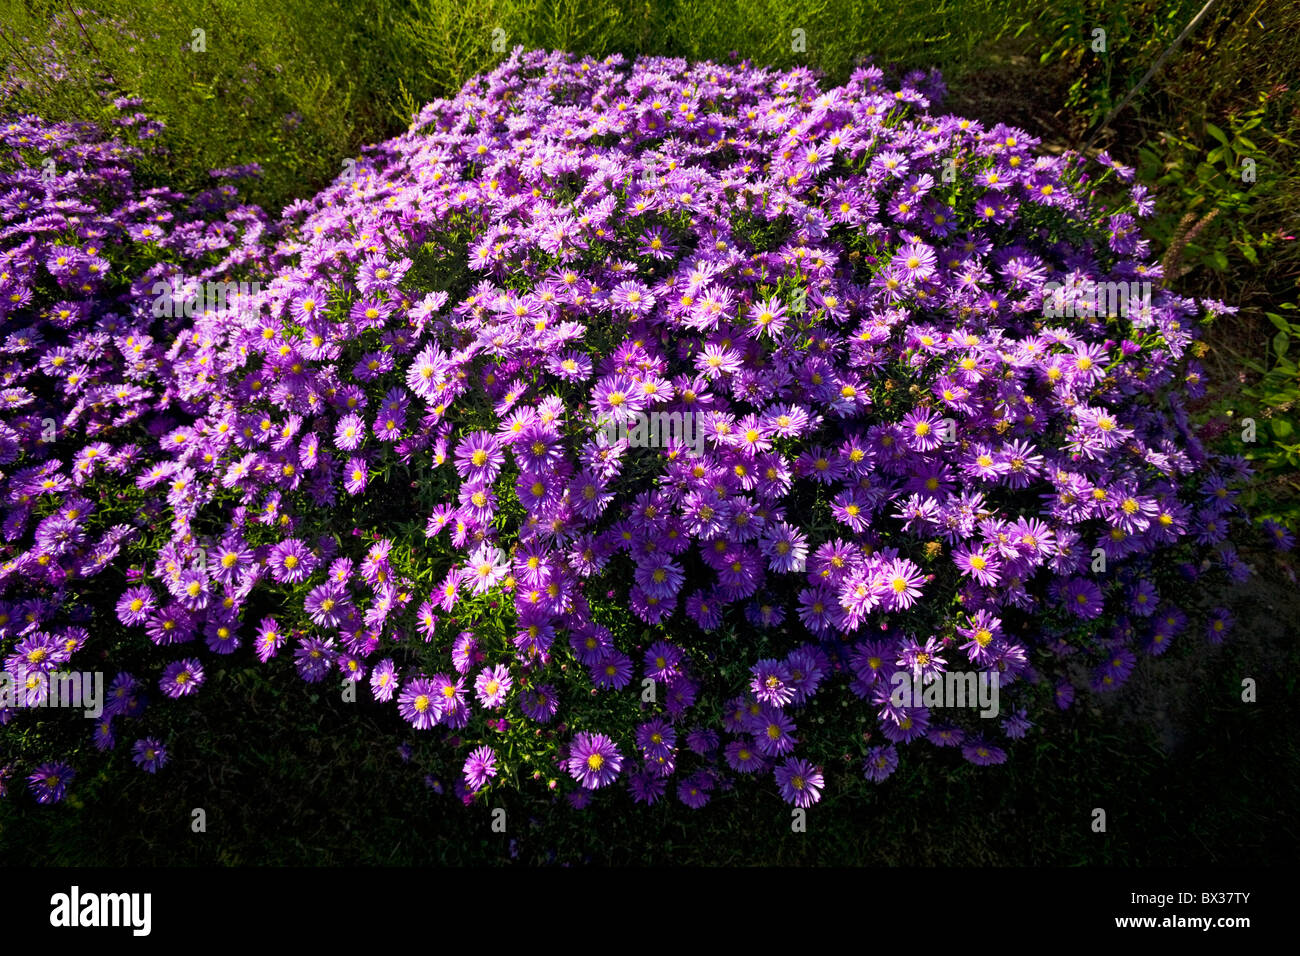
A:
<point x="769" y="318"/>
<point x="539" y="704"/>
<point x="614" y="671"/>
<point x="694" y="790"/>
<point x="656" y="738"/>
<point x="38" y="653"/>
<point x="357" y="474"/>
<point x="773" y="732"/>
<point x="479" y="456"/>
<point x="50" y="781"/>
<point x="383" y="680"/>
<point x="662" y="660"/>
<point x="181" y="678"/>
<point x="979" y="564"/>
<point x="170" y="625"/>
<point x="314" y="658"/>
<point x="770" y="683"/>
<point x="1158" y="641"/>
<point x="136" y="605"/>
<point x="591" y="645"/>
<point x="488" y="566"/>
<point x="983" y="754"/>
<point x="492" y="686"/>
<point x="903" y="581"/>
<point x="945" y="736"/>
<point x="785" y="547"/>
<point x="706" y="610"/>
<point x="326" y="604"/>
<point x="661" y="578"/>
<point x="479" y="767"/>
<point x="465" y="653"/>
<point x="743" y="757"/>
<point x="917" y="261"/>
<point x="270" y="638"/>
<point x="1279" y="534"/>
<point x="682" y="692"/>
<point x="451" y="695"/>
<point x="1115" y="670"/>
<point x="420" y="704"/>
<point x="800" y="782"/>
<point x="350" y="432"/>
<point x="221" y="636"/>
<point x="351" y="667"/>
<point x="923" y="661"/>
<point x="1017" y="724"/>
<point x="924" y="429"/>
<point x="1171" y="620"/>
<point x="1144" y="599"/>
<point x="149" y="754"/>
<point x="1064" y="695"/>
<point x="646" y="787"/>
<point x="702" y="741"/>
<point x="291" y="561"/>
<point x="1083" y="598"/>
<point x="805" y="665"/>
<point x="119" y="692"/>
<point x="1219" y="625"/>
<point x="594" y="761"/>
<point x="617" y="399"/>
<point x="881" y="762"/>
<point x="104" y="737"/>
<point x="981" y="636"/>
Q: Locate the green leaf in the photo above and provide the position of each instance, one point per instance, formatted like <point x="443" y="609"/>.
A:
<point x="1279" y="323"/>
<point x="1281" y="428"/>
<point x="1216" y="133"/>
<point x="1280" y="343"/>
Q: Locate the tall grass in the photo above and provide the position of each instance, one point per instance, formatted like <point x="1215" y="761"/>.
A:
<point x="295" y="86"/>
<point x="299" y="85"/>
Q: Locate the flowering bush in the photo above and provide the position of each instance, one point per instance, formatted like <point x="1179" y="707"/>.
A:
<point x="418" y="456"/>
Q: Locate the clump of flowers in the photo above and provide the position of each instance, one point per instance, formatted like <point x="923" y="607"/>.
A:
<point x="439" y="432"/>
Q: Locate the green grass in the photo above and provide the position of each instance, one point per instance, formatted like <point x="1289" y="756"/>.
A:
<point x="300" y="85"/>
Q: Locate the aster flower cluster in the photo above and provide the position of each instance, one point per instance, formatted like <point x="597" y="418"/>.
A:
<point x="905" y="466"/>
